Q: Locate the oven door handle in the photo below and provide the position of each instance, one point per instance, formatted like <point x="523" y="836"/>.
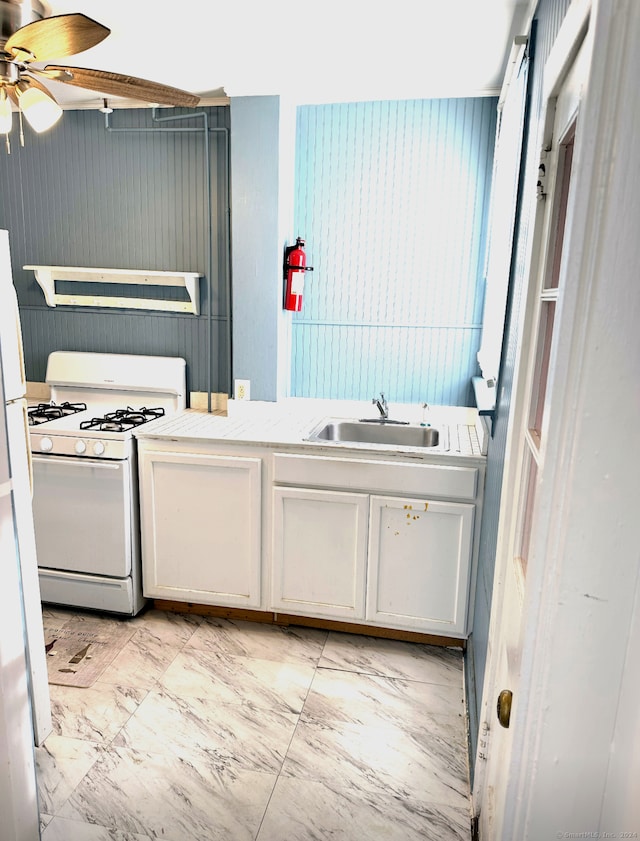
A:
<point x="76" y="462"/>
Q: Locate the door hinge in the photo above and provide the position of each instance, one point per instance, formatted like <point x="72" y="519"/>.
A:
<point x="541" y="186"/>
<point x="543" y="172"/>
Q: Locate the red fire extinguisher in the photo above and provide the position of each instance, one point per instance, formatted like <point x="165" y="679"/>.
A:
<point x="295" y="266"/>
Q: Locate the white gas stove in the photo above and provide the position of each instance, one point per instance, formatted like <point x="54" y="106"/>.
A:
<point x="91" y="433"/>
<point x="85" y="497"/>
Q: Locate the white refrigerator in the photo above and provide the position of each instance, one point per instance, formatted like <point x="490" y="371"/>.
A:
<point x="18" y="800"/>
<point x="25" y="712"/>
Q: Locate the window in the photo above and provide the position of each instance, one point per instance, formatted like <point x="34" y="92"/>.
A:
<point x="547" y="304"/>
<point x="503" y="215"/>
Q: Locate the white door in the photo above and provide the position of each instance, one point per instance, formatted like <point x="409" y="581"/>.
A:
<point x="319" y="552"/>
<point x="15" y="385"/>
<point x="419" y="564"/>
<point x="18" y="437"/>
<point x="525" y="461"/>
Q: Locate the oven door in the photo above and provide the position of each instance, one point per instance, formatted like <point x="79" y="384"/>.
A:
<point x="82" y="510"/>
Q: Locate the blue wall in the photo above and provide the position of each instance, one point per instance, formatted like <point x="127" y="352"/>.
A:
<point x="392" y="199"/>
<point x="262" y="177"/>
<point x="81" y="196"/>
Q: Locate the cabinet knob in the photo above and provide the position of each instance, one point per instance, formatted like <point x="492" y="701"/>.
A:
<point x="504" y="707"/>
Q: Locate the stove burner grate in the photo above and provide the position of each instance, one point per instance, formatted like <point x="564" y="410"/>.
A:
<point x="44" y="412"/>
<point x="122" y="419"/>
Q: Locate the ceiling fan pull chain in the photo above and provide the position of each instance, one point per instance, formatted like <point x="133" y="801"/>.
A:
<point x="21" y="128"/>
<point x="8" y="144"/>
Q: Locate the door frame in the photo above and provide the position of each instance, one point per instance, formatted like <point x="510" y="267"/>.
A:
<point x="578" y="640"/>
<point x="574" y="32"/>
<point x="576" y="755"/>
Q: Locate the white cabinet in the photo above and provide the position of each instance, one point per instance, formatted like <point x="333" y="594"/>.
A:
<point x="201" y="527"/>
<point x="319" y="552"/>
<point x="374" y="541"/>
<point x="377" y="541"/>
<point x="419" y="564"/>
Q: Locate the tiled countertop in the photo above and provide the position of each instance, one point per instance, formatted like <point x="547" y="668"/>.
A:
<point x="289" y="422"/>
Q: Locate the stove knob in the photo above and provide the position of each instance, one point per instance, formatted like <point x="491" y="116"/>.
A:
<point x="80" y="447"/>
<point x="98" y="448"/>
<point x="46" y="445"/>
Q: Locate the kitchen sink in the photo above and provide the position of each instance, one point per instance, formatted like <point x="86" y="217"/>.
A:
<point x="364" y="432"/>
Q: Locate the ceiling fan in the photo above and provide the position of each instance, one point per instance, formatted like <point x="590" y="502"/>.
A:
<point x="46" y="38"/>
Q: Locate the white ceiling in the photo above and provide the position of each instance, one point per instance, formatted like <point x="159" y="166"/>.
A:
<point x="334" y="51"/>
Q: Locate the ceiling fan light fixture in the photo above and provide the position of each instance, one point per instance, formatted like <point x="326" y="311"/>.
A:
<point x="41" y="111"/>
<point x="6" y="117"/>
<point x="58" y="36"/>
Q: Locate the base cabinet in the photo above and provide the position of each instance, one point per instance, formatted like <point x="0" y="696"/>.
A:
<point x="419" y="564"/>
<point x="396" y="562"/>
<point x="319" y="552"/>
<point x="201" y="527"/>
<point x="387" y="543"/>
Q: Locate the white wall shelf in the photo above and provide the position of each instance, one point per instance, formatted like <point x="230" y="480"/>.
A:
<point x="47" y="276"/>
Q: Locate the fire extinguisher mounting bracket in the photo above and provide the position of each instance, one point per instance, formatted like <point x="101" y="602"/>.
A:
<point x="298" y="269"/>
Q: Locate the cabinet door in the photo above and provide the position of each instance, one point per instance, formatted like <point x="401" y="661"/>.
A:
<point x="419" y="564"/>
<point x="201" y="528"/>
<point x="320" y="552"/>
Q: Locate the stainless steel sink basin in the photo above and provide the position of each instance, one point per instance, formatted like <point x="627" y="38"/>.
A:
<point x="376" y="433"/>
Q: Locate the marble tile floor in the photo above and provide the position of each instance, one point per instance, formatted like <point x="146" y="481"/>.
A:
<point x="206" y="729"/>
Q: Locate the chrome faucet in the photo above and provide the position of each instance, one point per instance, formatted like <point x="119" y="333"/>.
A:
<point x="383" y="408"/>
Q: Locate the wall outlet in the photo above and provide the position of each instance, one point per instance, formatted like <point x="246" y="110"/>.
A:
<point x="242" y="390"/>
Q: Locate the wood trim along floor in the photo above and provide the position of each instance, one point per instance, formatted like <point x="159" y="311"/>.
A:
<point x="271" y="618"/>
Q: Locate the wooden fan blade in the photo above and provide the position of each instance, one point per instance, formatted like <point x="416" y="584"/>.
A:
<point x="118" y="85"/>
<point x="13" y="96"/>
<point x="30" y="81"/>
<point x="55" y="37"/>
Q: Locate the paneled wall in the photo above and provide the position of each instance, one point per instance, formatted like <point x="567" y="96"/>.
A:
<point x="548" y="18"/>
<point x="392" y="198"/>
<point x="81" y="195"/>
<point x="262" y="154"/>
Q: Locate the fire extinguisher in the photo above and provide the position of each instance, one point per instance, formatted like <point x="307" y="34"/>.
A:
<point x="295" y="266"/>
